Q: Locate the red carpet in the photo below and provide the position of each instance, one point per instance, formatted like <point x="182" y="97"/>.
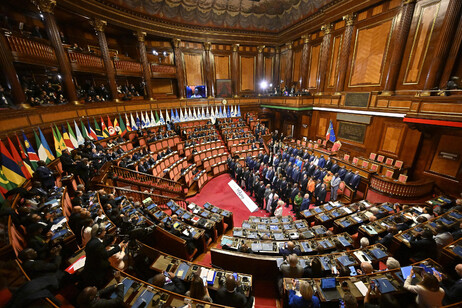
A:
<point x="218" y="193"/>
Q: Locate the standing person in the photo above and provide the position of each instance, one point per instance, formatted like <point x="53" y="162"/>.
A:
<point x="297" y="203"/>
<point x="45" y="175"/>
<point x="334" y="185"/>
<point x="321" y="197"/>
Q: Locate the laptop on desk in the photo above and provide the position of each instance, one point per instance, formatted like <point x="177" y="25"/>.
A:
<point x="329" y="289"/>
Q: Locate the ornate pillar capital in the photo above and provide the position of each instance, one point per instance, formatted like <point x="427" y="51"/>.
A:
<point x="306" y="38"/>
<point x="349" y="19"/>
<point x="235" y="47"/>
<point x="327" y="28"/>
<point x="140" y="35"/>
<point x="260" y="48"/>
<point x="98" y="24"/>
<point x="46" y="6"/>
<point x="290" y="45"/>
<point x="207" y="46"/>
<point x="176" y="43"/>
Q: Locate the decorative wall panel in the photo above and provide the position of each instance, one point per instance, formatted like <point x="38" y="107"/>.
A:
<point x="193" y="69"/>
<point x="352" y="131"/>
<point x="392" y="138"/>
<point x="222" y="67"/>
<point x="441" y="162"/>
<point x="283" y="66"/>
<point x="247" y="73"/>
<point x="322" y="127"/>
<point x="296" y="66"/>
<point x="421" y="41"/>
<point x="313" y="66"/>
<point x="162" y="86"/>
<point x="370" y="52"/>
<point x="334" y="61"/>
<point x="268" y="69"/>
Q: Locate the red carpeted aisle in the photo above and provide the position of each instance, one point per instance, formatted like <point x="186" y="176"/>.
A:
<point x="218" y="193"/>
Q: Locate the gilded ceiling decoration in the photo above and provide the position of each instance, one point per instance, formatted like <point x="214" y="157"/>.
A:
<point x="264" y="15"/>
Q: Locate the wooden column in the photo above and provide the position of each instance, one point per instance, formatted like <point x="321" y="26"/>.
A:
<point x="325" y="49"/>
<point x="99" y="26"/>
<point x="144" y="61"/>
<point x="235" y="69"/>
<point x="277" y="65"/>
<point x="344" y="53"/>
<point x="260" y="67"/>
<point x="47" y="7"/>
<point x="9" y="71"/>
<point x="442" y="46"/>
<point x="452" y="56"/>
<point x="179" y="68"/>
<point x="289" y="65"/>
<point x="304" y="60"/>
<point x="208" y="63"/>
<point x="402" y="32"/>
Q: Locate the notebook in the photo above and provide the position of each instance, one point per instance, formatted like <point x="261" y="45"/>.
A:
<point x="384" y="285"/>
<point x="378" y="253"/>
<point x="145" y="297"/>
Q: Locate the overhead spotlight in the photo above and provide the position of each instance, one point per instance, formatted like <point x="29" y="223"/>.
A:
<point x="165" y="54"/>
<point x="41" y="15"/>
<point x="154" y="52"/>
<point x="59" y="77"/>
<point x="263" y="85"/>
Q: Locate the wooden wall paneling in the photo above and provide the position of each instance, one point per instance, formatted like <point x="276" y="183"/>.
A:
<point x="283" y="68"/>
<point x="392" y="139"/>
<point x="162" y="86"/>
<point x="296" y="67"/>
<point x="410" y="146"/>
<point x="334" y="61"/>
<point x="268" y="70"/>
<point x="305" y="126"/>
<point x="222" y="66"/>
<point x="247" y="73"/>
<point x="444" y="166"/>
<point x="424" y="26"/>
<point x="323" y="123"/>
<point x="313" y="68"/>
<point x="193" y="69"/>
<point x="369" y="54"/>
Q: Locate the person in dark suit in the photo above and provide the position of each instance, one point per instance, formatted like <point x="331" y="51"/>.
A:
<point x="328" y="164"/>
<point x="231" y="294"/>
<point x="355" y="180"/>
<point x="317" y="188"/>
<point x="305" y="203"/>
<point x="304" y="183"/>
<point x="335" y="168"/>
<point x="97" y="264"/>
<point x="321" y="162"/>
<point x="317" y="173"/>
<point x="423" y="246"/>
<point x="296" y="175"/>
<point x="269" y="175"/>
<point x="386" y="240"/>
<point x="92" y="298"/>
<point x="45" y="175"/>
<point x="321" y="196"/>
<point x="348" y="177"/>
<point x="289" y="249"/>
<point x="452" y="288"/>
<point x="170" y="283"/>
<point x="341" y="173"/>
<point x="294" y="192"/>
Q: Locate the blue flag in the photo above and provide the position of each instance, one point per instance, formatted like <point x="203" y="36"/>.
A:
<point x="330" y="135"/>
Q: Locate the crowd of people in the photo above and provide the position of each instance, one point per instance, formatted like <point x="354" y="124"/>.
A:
<point x="49" y="92"/>
<point x="93" y="94"/>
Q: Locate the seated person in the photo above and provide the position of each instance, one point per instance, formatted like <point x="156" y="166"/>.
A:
<point x="92" y="298"/>
<point x="314" y="270"/>
<point x="197" y="289"/>
<point x="453" y="289"/>
<point x="306" y="298"/>
<point x="429" y="293"/>
<point x="231" y="294"/>
<point x="288" y="249"/>
<point x="170" y="283"/>
<point x="366" y="268"/>
<point x="423" y="246"/>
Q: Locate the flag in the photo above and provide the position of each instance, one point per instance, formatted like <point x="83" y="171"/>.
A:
<point x="138" y="122"/>
<point x="161" y="118"/>
<point x="98" y="132"/>
<point x="330" y="135"/>
<point x="190" y="116"/>
<point x="207" y="113"/>
<point x="67" y="140"/>
<point x="228" y="114"/>
<point x="133" y="123"/>
<point x="203" y="113"/>
<point x="153" y="119"/>
<point x="78" y="133"/>
<point x="143" y="121"/>
<point x="91" y="132"/>
<point x="181" y="115"/>
<point x="167" y="117"/>
<point x="84" y="130"/>
<point x="217" y="114"/>
<point x="116" y="126"/>
<point x="194" y="113"/>
<point x="62" y="145"/>
<point x="104" y="130"/>
<point x="33" y="157"/>
<point x="146" y="119"/>
<point x="123" y="128"/>
<point x="72" y="136"/>
<point x="157" y="118"/>
<point x="44" y="151"/>
<point x="177" y="117"/>
<point x="5" y="184"/>
<point x="10" y="168"/>
<point x="25" y="168"/>
<point x="110" y="128"/>
<point x="21" y="149"/>
<point x="128" y="127"/>
<point x="172" y="115"/>
<point x="238" y="111"/>
<point x="57" y="143"/>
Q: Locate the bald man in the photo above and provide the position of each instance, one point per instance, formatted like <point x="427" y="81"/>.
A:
<point x="291" y="268"/>
<point x="289" y="249"/>
<point x="366" y="268"/>
<point x="231" y="294"/>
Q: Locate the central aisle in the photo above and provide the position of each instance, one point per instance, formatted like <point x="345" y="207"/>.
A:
<point x="218" y="193"/>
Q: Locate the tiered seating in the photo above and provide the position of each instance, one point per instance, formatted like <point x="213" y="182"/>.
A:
<point x="199" y="157"/>
<point x="201" y="147"/>
<point x="164" y="163"/>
